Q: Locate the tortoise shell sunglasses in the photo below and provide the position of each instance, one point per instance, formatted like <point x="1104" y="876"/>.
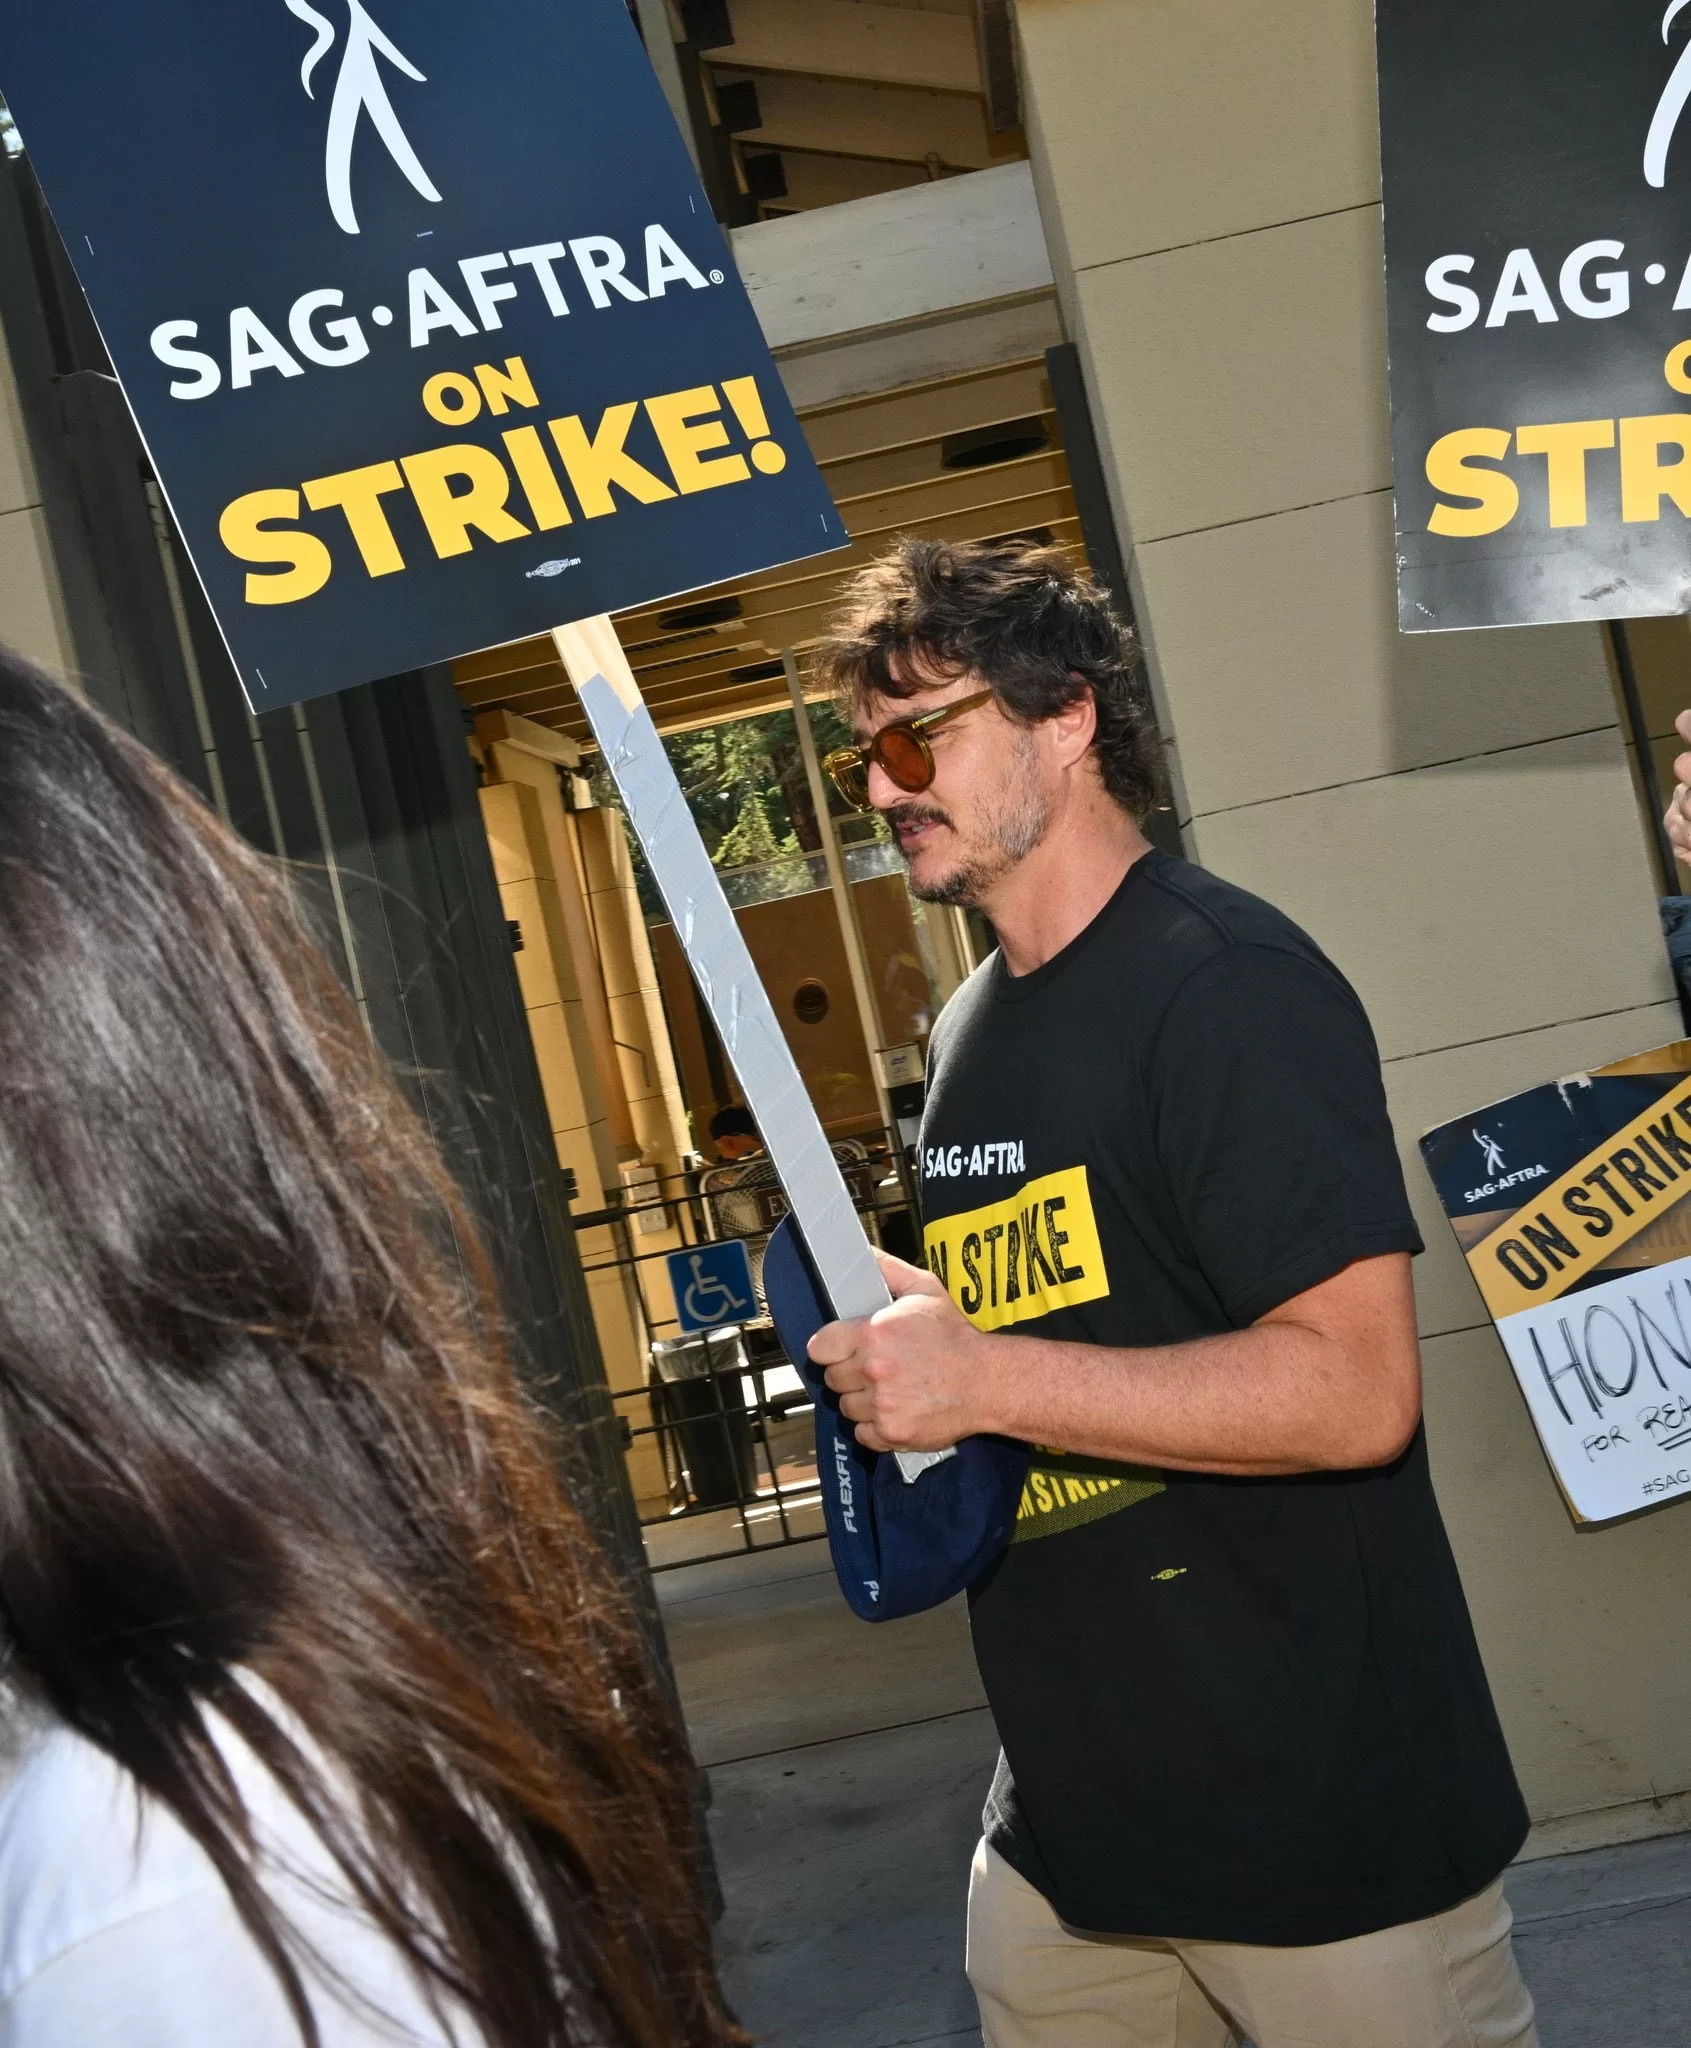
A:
<point x="901" y="750"/>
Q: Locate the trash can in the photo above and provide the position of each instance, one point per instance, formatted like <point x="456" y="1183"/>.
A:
<point x="700" y="1385"/>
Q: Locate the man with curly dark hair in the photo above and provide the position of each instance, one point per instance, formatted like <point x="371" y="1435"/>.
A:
<point x="1252" y="1782"/>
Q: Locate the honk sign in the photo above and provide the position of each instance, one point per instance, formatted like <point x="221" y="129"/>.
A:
<point x="1572" y="1206"/>
<point x="423" y="315"/>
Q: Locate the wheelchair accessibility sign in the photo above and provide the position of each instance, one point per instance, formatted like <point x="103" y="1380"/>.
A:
<point x="713" y="1285"/>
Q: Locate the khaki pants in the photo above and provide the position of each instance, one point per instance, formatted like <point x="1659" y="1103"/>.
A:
<point x="1447" y="1982"/>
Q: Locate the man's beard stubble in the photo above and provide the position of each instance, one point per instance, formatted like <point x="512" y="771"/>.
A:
<point x="1008" y="832"/>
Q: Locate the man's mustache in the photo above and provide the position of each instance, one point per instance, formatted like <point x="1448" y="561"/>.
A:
<point x="901" y="815"/>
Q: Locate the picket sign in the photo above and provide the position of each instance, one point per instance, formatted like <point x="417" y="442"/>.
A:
<point x="735" y="996"/>
<point x="388" y="390"/>
<point x="1571" y="1203"/>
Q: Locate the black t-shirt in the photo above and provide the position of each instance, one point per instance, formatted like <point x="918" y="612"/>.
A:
<point x="1232" y="1709"/>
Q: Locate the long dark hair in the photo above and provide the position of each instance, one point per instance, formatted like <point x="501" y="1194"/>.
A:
<point x="254" y="1419"/>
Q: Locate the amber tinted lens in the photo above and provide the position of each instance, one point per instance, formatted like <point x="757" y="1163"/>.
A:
<point x="849" y="774"/>
<point x="905" y="756"/>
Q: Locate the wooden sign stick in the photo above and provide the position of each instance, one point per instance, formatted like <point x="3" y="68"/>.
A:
<point x="739" y="1005"/>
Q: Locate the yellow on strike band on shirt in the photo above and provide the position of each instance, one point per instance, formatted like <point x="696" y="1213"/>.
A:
<point x="1009" y="1262"/>
<point x="1612" y="1194"/>
<point x="1035" y="1251"/>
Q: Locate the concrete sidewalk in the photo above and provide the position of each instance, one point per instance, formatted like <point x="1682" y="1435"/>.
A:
<point x="848" y="1766"/>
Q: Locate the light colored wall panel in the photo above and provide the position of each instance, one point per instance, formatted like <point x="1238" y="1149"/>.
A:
<point x="632" y="1023"/>
<point x="32" y="619"/>
<point x="1664" y="753"/>
<point x="1451" y="817"/>
<point x="1212" y="118"/>
<point x="945" y="345"/>
<point x="1293" y="675"/>
<point x="528" y="802"/>
<point x="899" y="256"/>
<point x="1243" y="377"/>
<point x="1491" y="897"/>
<point x="515" y="856"/>
<point x="1586" y="1633"/>
<point x="1431" y="1088"/>
<point x="536" y="962"/>
<point x="1661" y="661"/>
<point x="1054" y="204"/>
<point x="566" y="1107"/>
<point x="630" y="979"/>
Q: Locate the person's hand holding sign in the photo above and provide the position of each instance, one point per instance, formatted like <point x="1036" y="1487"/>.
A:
<point x="1678" y="819"/>
<point x="909" y="1376"/>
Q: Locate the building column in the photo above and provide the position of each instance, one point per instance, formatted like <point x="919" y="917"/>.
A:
<point x="1449" y="815"/>
<point x="551" y="976"/>
<point x="515" y="751"/>
<point x="641" y="1036"/>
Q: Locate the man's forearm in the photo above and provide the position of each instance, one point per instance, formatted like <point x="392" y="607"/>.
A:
<point x="1328" y="1381"/>
<point x="1276" y="1398"/>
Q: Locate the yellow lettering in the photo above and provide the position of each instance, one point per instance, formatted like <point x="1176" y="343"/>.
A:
<point x="1677" y="368"/>
<point x="359" y="494"/>
<point x="246" y="532"/>
<point x="537" y="476"/>
<point x="1056" y="1238"/>
<point x="1041" y="1492"/>
<point x="1035" y="1254"/>
<point x="594" y="465"/>
<point x="450" y="514"/>
<point x="452" y="399"/>
<point x="989" y="1242"/>
<point x="1645" y="479"/>
<point x="971" y="1292"/>
<point x="1450" y="471"/>
<point x="502" y="386"/>
<point x="743" y="395"/>
<point x="1564" y="447"/>
<point x="681" y="442"/>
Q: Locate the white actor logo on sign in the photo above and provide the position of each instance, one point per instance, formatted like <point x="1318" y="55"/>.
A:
<point x="1668" y="109"/>
<point x="360" y="89"/>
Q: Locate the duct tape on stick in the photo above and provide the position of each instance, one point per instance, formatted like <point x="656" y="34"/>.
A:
<point x="728" y="981"/>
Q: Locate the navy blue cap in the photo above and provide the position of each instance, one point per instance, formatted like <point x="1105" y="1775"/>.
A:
<point x="898" y="1546"/>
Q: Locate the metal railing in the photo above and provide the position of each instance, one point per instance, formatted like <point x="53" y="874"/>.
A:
<point x="729" y="1415"/>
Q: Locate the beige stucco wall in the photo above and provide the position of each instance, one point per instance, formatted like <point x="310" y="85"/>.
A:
<point x="1450" y="816"/>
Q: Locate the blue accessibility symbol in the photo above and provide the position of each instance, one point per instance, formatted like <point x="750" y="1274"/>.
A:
<point x="713" y="1285"/>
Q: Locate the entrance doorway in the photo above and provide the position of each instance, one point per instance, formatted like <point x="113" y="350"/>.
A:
<point x="717" y="1431"/>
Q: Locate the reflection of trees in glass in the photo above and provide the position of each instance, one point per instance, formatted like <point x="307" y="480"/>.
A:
<point x="745" y="784"/>
<point x="751" y="838"/>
